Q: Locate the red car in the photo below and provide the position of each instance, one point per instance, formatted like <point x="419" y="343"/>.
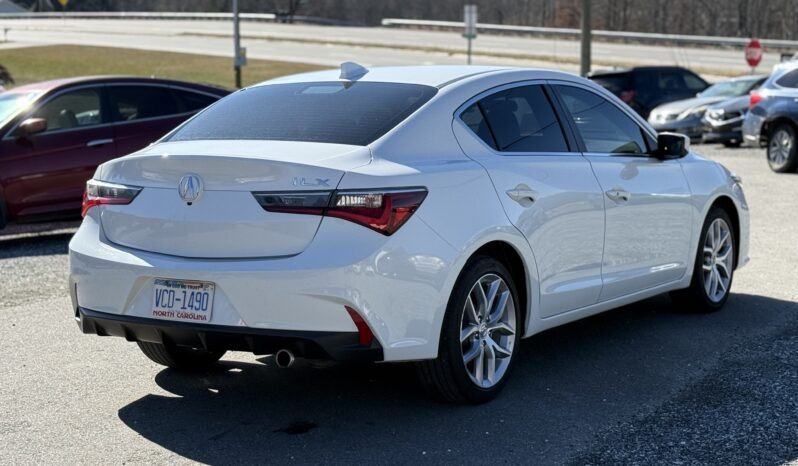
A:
<point x="54" y="134"/>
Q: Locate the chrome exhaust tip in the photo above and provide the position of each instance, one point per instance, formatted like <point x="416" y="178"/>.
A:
<point x="284" y="359"/>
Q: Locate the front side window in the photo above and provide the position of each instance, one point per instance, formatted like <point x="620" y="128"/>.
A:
<point x="330" y="112"/>
<point x="694" y="83"/>
<point x="129" y="103"/>
<point x="604" y="128"/>
<point x="72" y="110"/>
<point x="519" y="119"/>
<point x="671" y="81"/>
<point x="11" y="103"/>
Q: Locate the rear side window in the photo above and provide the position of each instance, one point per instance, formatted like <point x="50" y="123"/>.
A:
<point x="331" y="112"/>
<point x="789" y="79"/>
<point x="129" y="103"/>
<point x="520" y="120"/>
<point x="475" y="120"/>
<point x="604" y="128"/>
<point x="193" y="101"/>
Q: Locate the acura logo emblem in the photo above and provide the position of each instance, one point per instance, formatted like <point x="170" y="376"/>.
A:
<point x="190" y="188"/>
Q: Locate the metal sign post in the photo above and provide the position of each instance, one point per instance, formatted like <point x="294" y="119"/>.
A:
<point x="239" y="59"/>
<point x="470" y="24"/>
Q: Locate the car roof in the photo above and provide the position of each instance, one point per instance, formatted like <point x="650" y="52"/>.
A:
<point x="57" y="83"/>
<point x="428" y="75"/>
<point x="611" y="71"/>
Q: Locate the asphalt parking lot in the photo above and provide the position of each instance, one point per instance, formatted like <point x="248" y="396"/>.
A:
<point x="645" y="384"/>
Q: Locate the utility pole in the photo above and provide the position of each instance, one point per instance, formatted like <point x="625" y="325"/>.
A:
<point x="584" y="67"/>
<point x="237" y="44"/>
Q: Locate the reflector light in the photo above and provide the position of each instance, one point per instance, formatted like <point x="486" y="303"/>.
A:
<point x="382" y="210"/>
<point x="100" y="192"/>
<point x="363" y="330"/>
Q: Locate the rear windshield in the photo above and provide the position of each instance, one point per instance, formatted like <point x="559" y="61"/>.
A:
<point x="332" y="112"/>
<point x="615" y="83"/>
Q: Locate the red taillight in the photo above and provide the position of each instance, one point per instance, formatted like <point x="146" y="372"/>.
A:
<point x="627" y="96"/>
<point x="365" y="336"/>
<point x="100" y="192"/>
<point x="382" y="210"/>
<point x="756" y="97"/>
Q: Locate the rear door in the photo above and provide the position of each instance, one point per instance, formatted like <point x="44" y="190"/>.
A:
<point x="51" y="168"/>
<point x="648" y="201"/>
<point x="547" y="189"/>
<point x="143" y="113"/>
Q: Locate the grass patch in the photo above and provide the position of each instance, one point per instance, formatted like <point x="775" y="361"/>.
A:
<point x="33" y="64"/>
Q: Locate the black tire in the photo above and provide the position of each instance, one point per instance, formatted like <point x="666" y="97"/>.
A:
<point x="180" y="358"/>
<point x="696" y="298"/>
<point x="447" y="378"/>
<point x="776" y="140"/>
<point x="732" y="144"/>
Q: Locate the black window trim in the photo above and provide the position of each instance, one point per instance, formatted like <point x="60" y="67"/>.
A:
<point x="649" y="137"/>
<point x="567" y="131"/>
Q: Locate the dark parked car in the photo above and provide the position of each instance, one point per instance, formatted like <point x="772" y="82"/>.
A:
<point x="773" y="118"/>
<point x="54" y="134"/>
<point x="685" y="116"/>
<point x="723" y="121"/>
<point x="646" y="87"/>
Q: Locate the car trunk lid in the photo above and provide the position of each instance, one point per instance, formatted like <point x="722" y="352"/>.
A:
<point x="224" y="220"/>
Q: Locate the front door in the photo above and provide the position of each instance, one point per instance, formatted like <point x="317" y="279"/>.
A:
<point x="648" y="201"/>
<point x="49" y="170"/>
<point x="547" y="190"/>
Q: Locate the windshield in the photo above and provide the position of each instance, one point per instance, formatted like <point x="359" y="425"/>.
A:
<point x="729" y="88"/>
<point x="13" y="102"/>
<point x="331" y="112"/>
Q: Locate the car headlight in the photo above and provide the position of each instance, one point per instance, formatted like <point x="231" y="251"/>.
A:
<point x="693" y="112"/>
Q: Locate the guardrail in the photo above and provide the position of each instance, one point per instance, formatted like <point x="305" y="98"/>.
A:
<point x="258" y="17"/>
<point x="138" y="15"/>
<point x="569" y="33"/>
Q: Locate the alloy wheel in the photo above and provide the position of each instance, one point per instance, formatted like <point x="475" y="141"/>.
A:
<point x="779" y="148"/>
<point x="488" y="330"/>
<point x="718" y="260"/>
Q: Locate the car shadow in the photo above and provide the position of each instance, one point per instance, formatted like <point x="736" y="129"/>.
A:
<point x="569" y="384"/>
<point x="48" y="244"/>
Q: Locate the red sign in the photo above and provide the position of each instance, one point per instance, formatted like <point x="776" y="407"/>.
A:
<point x="753" y="53"/>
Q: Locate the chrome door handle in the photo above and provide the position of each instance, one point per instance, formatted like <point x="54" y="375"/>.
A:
<point x="618" y="195"/>
<point x="523" y="195"/>
<point x="99" y="142"/>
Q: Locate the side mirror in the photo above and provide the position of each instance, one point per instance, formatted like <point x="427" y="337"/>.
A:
<point x="33" y="126"/>
<point x="671" y="146"/>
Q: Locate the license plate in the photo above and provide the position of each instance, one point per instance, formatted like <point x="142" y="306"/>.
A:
<point x="185" y="301"/>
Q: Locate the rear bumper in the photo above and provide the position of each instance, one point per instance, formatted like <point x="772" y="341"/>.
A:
<point x="398" y="285"/>
<point x="339" y="346"/>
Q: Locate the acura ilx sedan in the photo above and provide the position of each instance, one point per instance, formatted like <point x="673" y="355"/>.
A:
<point x="429" y="214"/>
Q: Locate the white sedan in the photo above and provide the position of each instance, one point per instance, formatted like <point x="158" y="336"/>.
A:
<point x="435" y="214"/>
